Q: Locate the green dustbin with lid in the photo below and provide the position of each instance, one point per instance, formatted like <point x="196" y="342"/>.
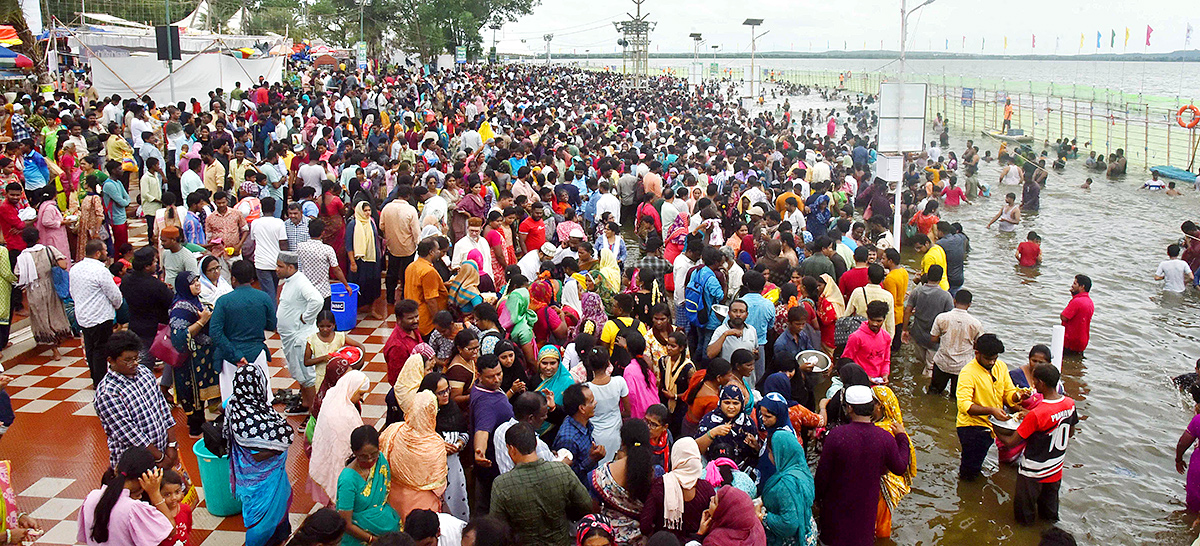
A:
<point x="214" y="476"/>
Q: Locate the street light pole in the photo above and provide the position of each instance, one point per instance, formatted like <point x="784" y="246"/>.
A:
<point x="753" y="24"/>
<point x="904" y="13"/>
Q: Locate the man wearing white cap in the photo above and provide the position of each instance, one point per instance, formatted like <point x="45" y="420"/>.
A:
<point x="531" y="263"/>
<point x="299" y="304"/>
<point x="568" y="249"/>
<point x="856" y="455"/>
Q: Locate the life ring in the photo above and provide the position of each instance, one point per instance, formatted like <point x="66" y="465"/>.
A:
<point x="1194" y="119"/>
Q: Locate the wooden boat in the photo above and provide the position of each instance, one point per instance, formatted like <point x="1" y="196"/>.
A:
<point x="1167" y="171"/>
<point x="1019" y="136"/>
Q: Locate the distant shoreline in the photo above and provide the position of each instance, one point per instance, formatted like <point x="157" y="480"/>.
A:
<point x="1190" y="55"/>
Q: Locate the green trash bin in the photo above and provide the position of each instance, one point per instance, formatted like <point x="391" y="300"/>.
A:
<point x="214" y="476"/>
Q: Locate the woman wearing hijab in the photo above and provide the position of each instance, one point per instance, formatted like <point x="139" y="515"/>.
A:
<point x="419" y="364"/>
<point x="417" y="455"/>
<point x="452" y="426"/>
<point x="331" y="434"/>
<point x="788" y="494"/>
<point x="212" y="284"/>
<point x="731" y="520"/>
<point x="464" y="287"/>
<point x="258" y="446"/>
<point x="676" y="238"/>
<point x="779" y="403"/>
<point x="678" y="499"/>
<point x="553" y="375"/>
<point x="196" y="377"/>
<point x="362" y="248"/>
<point x="729" y="425"/>
<point x="592" y="313"/>
<point x="849" y="374"/>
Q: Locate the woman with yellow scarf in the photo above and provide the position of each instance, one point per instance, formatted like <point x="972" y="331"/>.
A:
<point x="893" y="486"/>
<point x="362" y="249"/>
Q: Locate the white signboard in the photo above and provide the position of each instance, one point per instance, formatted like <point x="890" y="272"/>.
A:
<point x="891" y="167"/>
<point x="901" y="117"/>
<point x="696" y="74"/>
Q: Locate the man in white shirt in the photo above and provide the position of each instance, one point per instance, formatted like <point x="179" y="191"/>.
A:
<point x="529" y="407"/>
<point x="269" y="236"/>
<point x="190" y="181"/>
<point x="435" y="207"/>
<point x="607" y="202"/>
<point x="472" y="139"/>
<point x="1174" y="271"/>
<point x="821" y="172"/>
<point x="531" y="263"/>
<point x="97" y="299"/>
<point x="299" y="304"/>
<point x="668" y="213"/>
<point x="473" y="240"/>
<point x="684" y="262"/>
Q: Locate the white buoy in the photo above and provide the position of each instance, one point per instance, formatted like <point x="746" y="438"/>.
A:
<point x="1057" y="334"/>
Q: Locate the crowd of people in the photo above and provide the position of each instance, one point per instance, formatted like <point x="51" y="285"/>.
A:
<point x="622" y="316"/>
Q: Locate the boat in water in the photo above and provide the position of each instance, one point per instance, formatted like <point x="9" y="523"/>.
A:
<point x="1013" y="135"/>
<point x="1175" y="173"/>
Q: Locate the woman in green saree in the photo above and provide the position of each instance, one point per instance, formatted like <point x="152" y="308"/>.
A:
<point x="363" y="491"/>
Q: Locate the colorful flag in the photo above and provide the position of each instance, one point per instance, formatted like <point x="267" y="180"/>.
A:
<point x="1148" y="31"/>
<point x="1126" y="37"/>
<point x="947" y="44"/>
<point x="1187" y="38"/>
<point x="1081" y="40"/>
<point x="1006" y="43"/>
<point x="1098" y="36"/>
<point x="1035" y="41"/>
<point x="965" y="39"/>
<point x="1113" y="41"/>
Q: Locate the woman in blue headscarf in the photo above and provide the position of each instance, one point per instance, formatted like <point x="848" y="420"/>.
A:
<point x="788" y="494"/>
<point x="196" y="378"/>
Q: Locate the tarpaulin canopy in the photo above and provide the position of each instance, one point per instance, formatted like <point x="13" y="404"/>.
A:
<point x="8" y="36"/>
<point x="10" y="58"/>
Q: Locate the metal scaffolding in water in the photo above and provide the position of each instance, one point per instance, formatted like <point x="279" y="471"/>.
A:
<point x="635" y="43"/>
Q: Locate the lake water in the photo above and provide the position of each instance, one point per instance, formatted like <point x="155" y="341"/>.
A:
<point x="1120" y="484"/>
<point x="1150" y="78"/>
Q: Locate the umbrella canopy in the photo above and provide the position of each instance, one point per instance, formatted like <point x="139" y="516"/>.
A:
<point x="10" y="58"/>
<point x="8" y="36"/>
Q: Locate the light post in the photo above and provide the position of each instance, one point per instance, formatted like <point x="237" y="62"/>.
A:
<point x="904" y="13"/>
<point x="753" y="23"/>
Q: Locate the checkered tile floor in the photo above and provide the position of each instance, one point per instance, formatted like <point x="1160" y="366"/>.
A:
<point x="58" y="449"/>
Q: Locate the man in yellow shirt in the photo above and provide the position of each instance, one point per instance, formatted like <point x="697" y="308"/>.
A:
<point x="896" y="282"/>
<point x="984" y="388"/>
<point x="214" y="172"/>
<point x="933" y="255"/>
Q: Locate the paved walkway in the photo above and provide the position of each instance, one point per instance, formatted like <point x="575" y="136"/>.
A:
<point x="58" y="448"/>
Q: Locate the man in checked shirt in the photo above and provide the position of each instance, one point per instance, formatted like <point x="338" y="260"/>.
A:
<point x="131" y="407"/>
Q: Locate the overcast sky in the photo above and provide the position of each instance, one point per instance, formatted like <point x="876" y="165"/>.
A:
<point x="581" y="25"/>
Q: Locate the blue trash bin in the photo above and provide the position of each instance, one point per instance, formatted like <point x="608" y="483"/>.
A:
<point x="344" y="306"/>
<point x="214" y="477"/>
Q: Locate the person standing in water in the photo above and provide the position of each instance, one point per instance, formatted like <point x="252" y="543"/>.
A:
<point x="1009" y="215"/>
<point x="1077" y="317"/>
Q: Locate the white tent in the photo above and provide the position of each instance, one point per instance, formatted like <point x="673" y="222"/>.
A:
<point x="194" y="77"/>
<point x="114" y="20"/>
<point x="237" y="23"/>
<point x="198" y="20"/>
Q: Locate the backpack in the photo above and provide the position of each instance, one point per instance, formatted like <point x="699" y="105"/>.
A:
<point x="695" y="309"/>
<point x="847" y="325"/>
